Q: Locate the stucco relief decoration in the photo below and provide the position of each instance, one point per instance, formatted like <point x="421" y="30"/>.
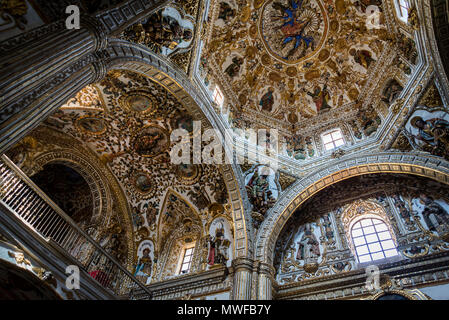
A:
<point x="290" y="61"/>
<point x="293" y="30"/>
<point x="88" y="98"/>
<point x="432" y="214"/>
<point x="317" y="240"/>
<point x="219" y="243"/>
<point x="12" y="14"/>
<point x="304" y="252"/>
<point x="139" y="115"/>
<point x="428" y="130"/>
<point x="188" y="173"/>
<point x="164" y="32"/>
<point x="262" y="189"/>
<point x="142" y="182"/>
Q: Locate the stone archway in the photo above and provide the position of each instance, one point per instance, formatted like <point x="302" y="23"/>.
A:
<point x="412" y="164"/>
<point x="123" y="55"/>
<point x="52" y="146"/>
<point x="98" y="189"/>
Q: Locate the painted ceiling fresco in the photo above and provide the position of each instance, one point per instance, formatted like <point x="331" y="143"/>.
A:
<point x="126" y="119"/>
<point x="171" y="31"/>
<point x="296" y="64"/>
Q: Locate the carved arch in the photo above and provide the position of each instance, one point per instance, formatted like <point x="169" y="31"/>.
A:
<point x="411" y="163"/>
<point x="61" y="148"/>
<point x="178" y="223"/>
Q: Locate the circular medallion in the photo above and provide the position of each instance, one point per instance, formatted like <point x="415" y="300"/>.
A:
<point x="182" y="121"/>
<point x="323" y="55"/>
<point x="266" y="60"/>
<point x="188" y="173"/>
<point x="142" y="183"/>
<point x="243" y="98"/>
<point x="140" y="101"/>
<point x="291" y="71"/>
<point x="88" y="124"/>
<point x="293" y="30"/>
<point x="151" y="141"/>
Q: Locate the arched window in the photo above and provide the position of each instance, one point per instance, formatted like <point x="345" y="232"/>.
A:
<point x="402" y="7"/>
<point x="372" y="240"/>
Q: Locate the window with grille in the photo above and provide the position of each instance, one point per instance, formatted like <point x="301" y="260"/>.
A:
<point x="333" y="139"/>
<point x="402" y="9"/>
<point x="186" y="260"/>
<point x="372" y="240"/>
<point x="218" y="96"/>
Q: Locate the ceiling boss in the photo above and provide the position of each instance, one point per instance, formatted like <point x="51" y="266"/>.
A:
<point x="293" y="30"/>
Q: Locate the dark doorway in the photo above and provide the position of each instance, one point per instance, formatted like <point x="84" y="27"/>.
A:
<point x="68" y="189"/>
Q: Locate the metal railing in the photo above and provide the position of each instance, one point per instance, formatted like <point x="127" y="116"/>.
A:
<point x="34" y="208"/>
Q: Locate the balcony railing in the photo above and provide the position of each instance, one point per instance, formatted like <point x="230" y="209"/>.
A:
<point x="34" y="208"/>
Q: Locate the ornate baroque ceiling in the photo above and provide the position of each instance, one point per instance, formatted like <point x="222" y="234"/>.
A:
<point x="126" y="119"/>
<point x="296" y="65"/>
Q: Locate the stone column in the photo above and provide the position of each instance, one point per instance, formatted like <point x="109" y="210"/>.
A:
<point x="243" y="268"/>
<point x="41" y="69"/>
<point x="265" y="283"/>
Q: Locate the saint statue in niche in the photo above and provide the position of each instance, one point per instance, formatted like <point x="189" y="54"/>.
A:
<point x="218" y="248"/>
<point x="434" y="134"/>
<point x="144" y="264"/>
<point x="309" y="250"/>
<point x="296" y="25"/>
<point x="435" y="216"/>
<point x="260" y="195"/>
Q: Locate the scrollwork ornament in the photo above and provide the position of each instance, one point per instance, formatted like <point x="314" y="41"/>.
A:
<point x="413" y="19"/>
<point x="13" y="13"/>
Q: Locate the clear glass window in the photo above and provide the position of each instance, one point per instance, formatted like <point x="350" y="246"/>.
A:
<point x="333" y="139"/>
<point x="370" y="240"/>
<point x="402" y="9"/>
<point x="187" y="260"/>
<point x="218" y="97"/>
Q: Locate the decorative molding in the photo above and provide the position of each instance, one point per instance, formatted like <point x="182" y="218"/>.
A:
<point x="414" y="164"/>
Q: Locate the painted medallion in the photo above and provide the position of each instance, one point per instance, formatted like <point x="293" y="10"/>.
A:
<point x="92" y="125"/>
<point x="293" y="30"/>
<point x="151" y="141"/>
<point x="188" y="173"/>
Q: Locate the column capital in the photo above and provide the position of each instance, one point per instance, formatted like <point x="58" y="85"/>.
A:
<point x="99" y="67"/>
<point x="267" y="269"/>
<point x="243" y="264"/>
<point x="97" y="29"/>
